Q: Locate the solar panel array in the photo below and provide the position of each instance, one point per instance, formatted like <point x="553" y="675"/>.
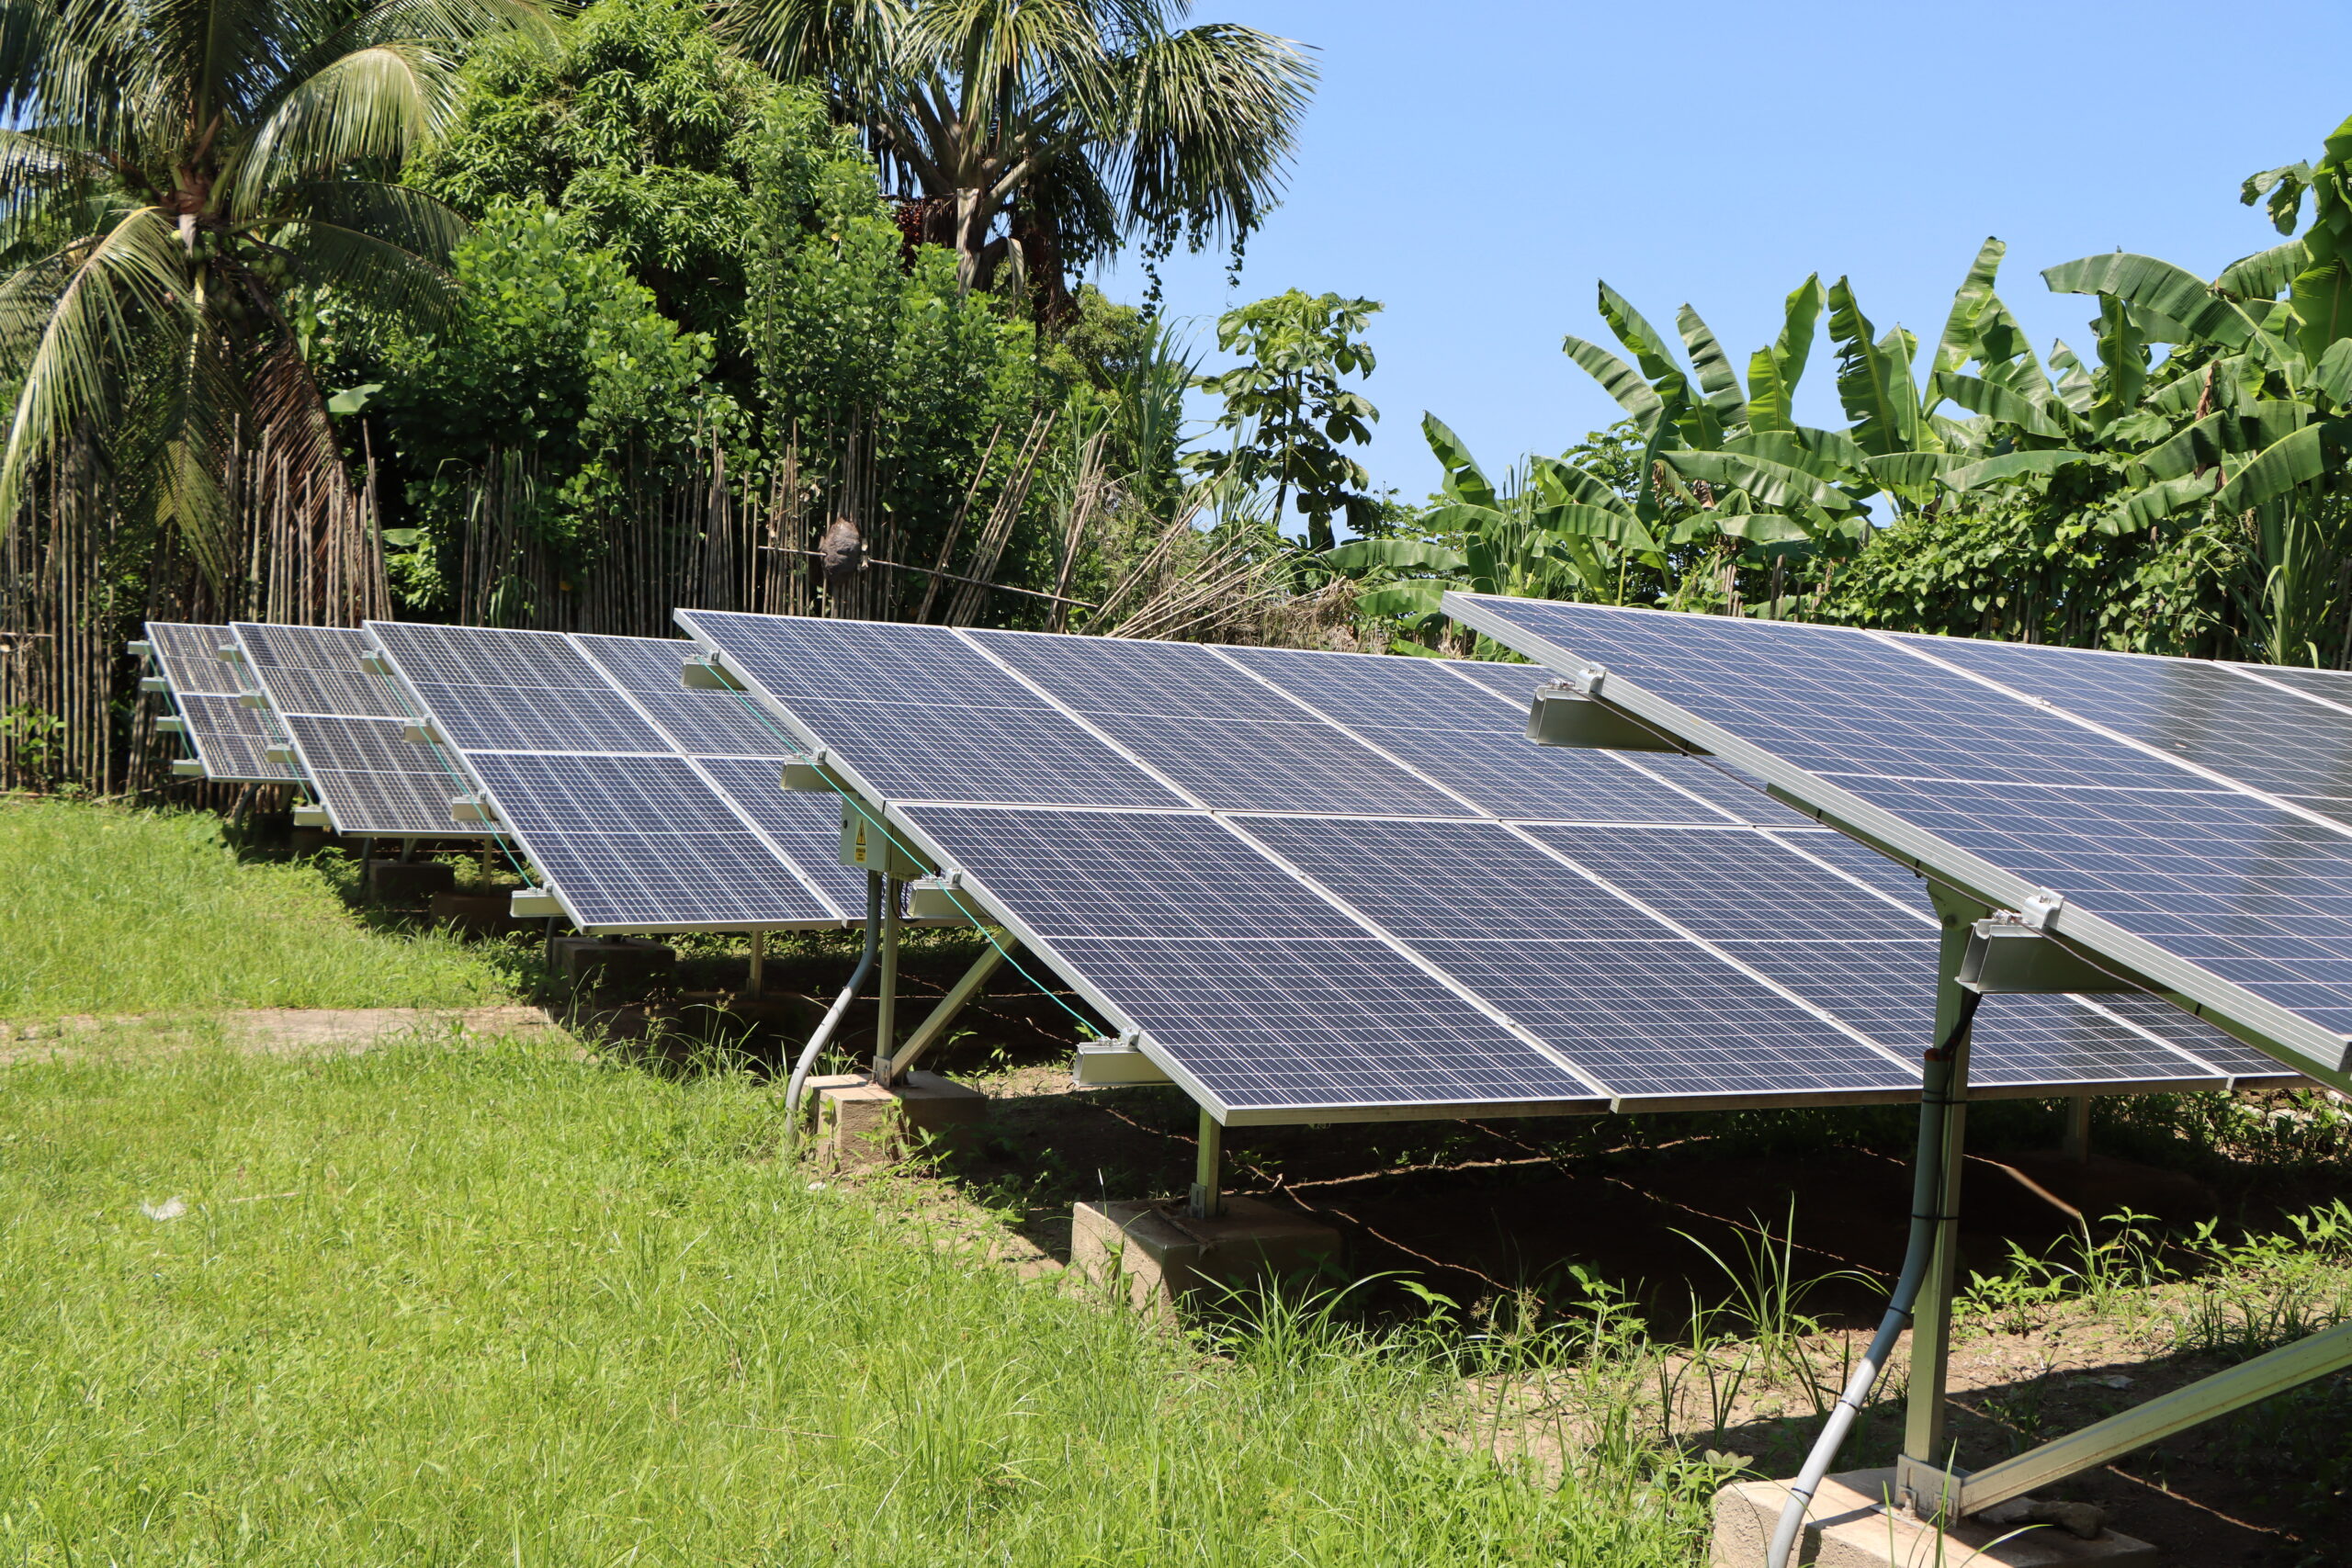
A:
<point x="228" y="737"/>
<point x="632" y="798"/>
<point x="344" y="726"/>
<point x="1326" y="885"/>
<point x="2192" y="813"/>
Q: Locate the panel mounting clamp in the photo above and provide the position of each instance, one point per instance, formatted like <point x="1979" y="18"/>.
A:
<point x="1588" y="680"/>
<point x="2041" y="906"/>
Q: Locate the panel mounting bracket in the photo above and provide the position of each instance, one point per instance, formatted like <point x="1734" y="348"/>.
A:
<point x="1565" y="713"/>
<point x="2011" y="958"/>
<point x="1116" y="1063"/>
<point x="375" y="663"/>
<point x="708" y="675"/>
<point x="419" y="734"/>
<point x="471" y="809"/>
<point x="811" y="773"/>
<point x="930" y="897"/>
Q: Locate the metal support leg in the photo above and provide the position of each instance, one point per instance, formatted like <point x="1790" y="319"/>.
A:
<point x="486" y="863"/>
<point x="1927" y="1453"/>
<point x="1208" y="1170"/>
<point x="759" y="979"/>
<point x="2078" y="1129"/>
<point x="886" y="1005"/>
<point x="934" y="1028"/>
<point x="408" y="850"/>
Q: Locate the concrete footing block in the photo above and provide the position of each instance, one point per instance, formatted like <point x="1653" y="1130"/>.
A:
<point x="861" y="1123"/>
<point x="1850" y="1526"/>
<point x="409" y="882"/>
<point x="1157" y="1254"/>
<point x="613" y="960"/>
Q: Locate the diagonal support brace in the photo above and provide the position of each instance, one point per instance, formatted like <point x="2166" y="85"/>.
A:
<point x="2246" y="1383"/>
<point x="933" y="1029"/>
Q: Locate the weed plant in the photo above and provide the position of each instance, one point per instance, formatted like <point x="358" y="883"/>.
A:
<point x="108" y="910"/>
<point x="502" y="1305"/>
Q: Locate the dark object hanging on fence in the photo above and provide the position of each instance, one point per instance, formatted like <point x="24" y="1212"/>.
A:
<point x="841" y="551"/>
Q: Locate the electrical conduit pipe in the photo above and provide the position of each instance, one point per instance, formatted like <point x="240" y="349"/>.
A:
<point x="1927" y="1205"/>
<point x="824" y="1033"/>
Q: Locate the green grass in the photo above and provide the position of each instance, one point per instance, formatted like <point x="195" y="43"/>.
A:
<point x="447" y="1305"/>
<point x="108" y="910"/>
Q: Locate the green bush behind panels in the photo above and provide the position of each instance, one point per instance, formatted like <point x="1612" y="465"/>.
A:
<point x="490" y="1305"/>
<point x="103" y="910"/>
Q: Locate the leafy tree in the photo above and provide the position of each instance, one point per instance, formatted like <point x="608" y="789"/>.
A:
<point x="860" y="358"/>
<point x="554" y="349"/>
<point x="1045" y="133"/>
<point x="1288" y="416"/>
<point x="638" y="125"/>
<point x="176" y="170"/>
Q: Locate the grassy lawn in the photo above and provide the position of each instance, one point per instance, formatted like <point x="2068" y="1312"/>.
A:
<point x="502" y="1305"/>
<point x="107" y="910"/>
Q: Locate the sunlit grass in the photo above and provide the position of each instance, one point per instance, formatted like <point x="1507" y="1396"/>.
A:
<point x="496" y="1305"/>
<point x="109" y="910"/>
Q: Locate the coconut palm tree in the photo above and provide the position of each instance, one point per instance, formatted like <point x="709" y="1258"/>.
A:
<point x="181" y="171"/>
<point x="1041" y="134"/>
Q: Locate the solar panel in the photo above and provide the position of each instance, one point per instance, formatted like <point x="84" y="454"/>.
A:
<point x="229" y="739"/>
<point x="922" y="714"/>
<point x="1266" y="1000"/>
<point x="1587" y="909"/>
<point x="2216" y="863"/>
<point x="628" y="832"/>
<point x="344" y="725"/>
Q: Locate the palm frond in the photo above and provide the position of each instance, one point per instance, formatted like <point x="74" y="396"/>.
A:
<point x="111" y="298"/>
<point x="852" y="43"/>
<point x="1213" y="116"/>
<point x="370" y="106"/>
<point x="381" y="243"/>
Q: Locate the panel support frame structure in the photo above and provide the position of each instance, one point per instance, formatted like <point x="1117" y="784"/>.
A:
<point x="1927" y="1416"/>
<point x="1958" y="878"/>
<point x="934" y="1028"/>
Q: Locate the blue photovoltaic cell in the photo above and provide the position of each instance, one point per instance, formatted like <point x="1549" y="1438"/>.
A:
<point x="2253" y="892"/>
<point x="346" y="727"/>
<point x="1229" y="741"/>
<point x="1634" y="1006"/>
<point x="629" y="834"/>
<point x="1477" y="748"/>
<point x="807" y="826"/>
<point x="230" y="739"/>
<point x="640" y="843"/>
<point x="699" y="723"/>
<point x="1840" y="704"/>
<point x="2206" y="714"/>
<point x="493" y="690"/>
<point x="316" y="670"/>
<point x="1857" y="956"/>
<point x="1731" y="792"/>
<point x="1262" y="992"/>
<point x="921" y="714"/>
<point x="373" y="782"/>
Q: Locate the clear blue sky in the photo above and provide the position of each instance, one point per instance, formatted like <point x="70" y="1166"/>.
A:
<point x="1476" y="164"/>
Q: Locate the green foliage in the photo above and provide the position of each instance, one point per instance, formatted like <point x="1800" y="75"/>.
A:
<point x="1288" y="416"/>
<point x="637" y="126"/>
<point x="555" y="349"/>
<point x="103" y="910"/>
<point x="855" y="346"/>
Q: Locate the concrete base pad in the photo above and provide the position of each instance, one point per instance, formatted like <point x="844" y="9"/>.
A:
<point x="1157" y="1253"/>
<point x="1849" y="1526"/>
<point x="861" y="1123"/>
<point x="408" y="882"/>
<point x="613" y="960"/>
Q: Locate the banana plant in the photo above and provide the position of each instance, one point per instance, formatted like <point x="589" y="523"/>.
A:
<point x="1548" y="531"/>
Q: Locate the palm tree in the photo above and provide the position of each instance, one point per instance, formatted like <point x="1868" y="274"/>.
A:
<point x="180" y="171"/>
<point x="1043" y="133"/>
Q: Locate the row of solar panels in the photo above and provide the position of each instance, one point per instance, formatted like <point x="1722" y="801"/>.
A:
<point x="1306" y="886"/>
<point x="2193" y="819"/>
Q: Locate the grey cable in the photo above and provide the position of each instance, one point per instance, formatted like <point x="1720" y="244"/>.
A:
<point x="1926" y="1212"/>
